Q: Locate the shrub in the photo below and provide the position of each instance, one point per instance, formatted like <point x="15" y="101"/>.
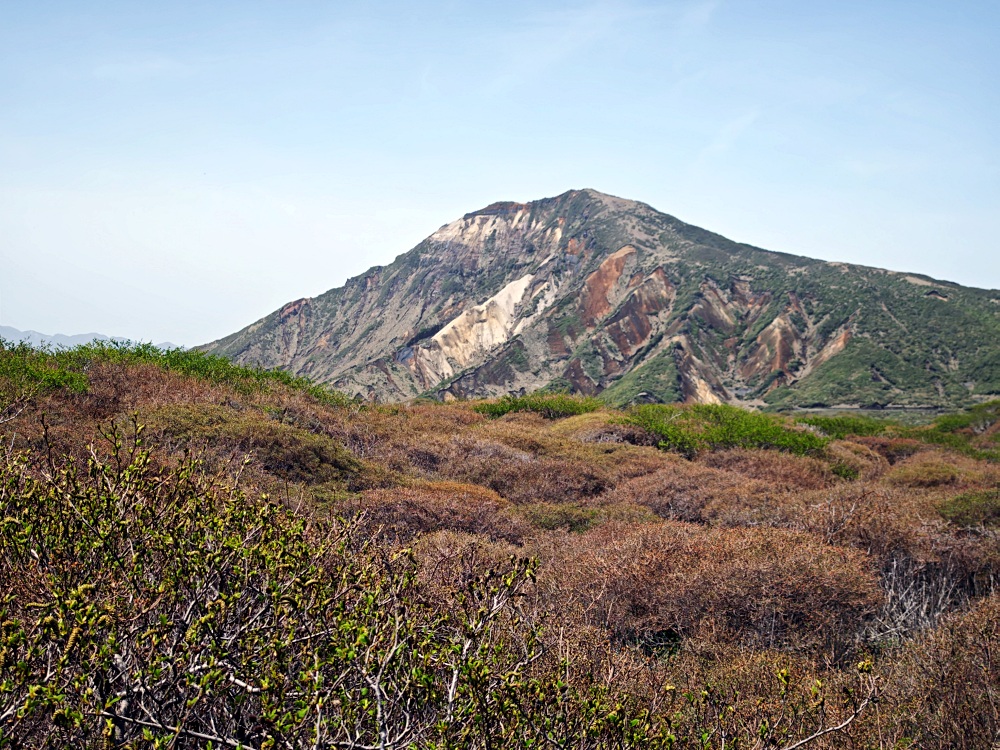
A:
<point x="973" y="508"/>
<point x="696" y="493"/>
<point x="549" y="405"/>
<point x="929" y="472"/>
<point x="288" y="452"/>
<point x="777" y="469"/>
<point x="893" y="449"/>
<point x="402" y="514"/>
<point x="690" y="430"/>
<point x="942" y="688"/>
<point x="551" y="516"/>
<point x="842" y="426"/>
<point x="976" y="420"/>
<point x="154" y="609"/>
<point x="966" y="432"/>
<point x="26" y="372"/>
<point x="766" y="587"/>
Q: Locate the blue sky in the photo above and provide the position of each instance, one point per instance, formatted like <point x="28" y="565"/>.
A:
<point x="175" y="171"/>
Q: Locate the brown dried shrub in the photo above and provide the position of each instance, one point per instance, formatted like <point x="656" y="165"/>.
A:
<point x="527" y="469"/>
<point x="778" y="469"/>
<point x="400" y="514"/>
<point x="882" y="521"/>
<point x="603" y="427"/>
<point x="943" y="690"/>
<point x="285" y="451"/>
<point x="692" y="492"/>
<point x="851" y="460"/>
<point x="448" y="560"/>
<point x="765" y="587"/>
<point x="580" y="517"/>
<point x="530" y="432"/>
<point x="893" y="449"/>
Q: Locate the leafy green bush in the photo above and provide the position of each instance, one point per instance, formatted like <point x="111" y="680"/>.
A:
<point x="150" y="608"/>
<point x="549" y="405"/>
<point x="973" y="508"/>
<point x="690" y="430"/>
<point x="844" y="470"/>
<point x="841" y="426"/>
<point x="26" y="372"/>
<point x="976" y="419"/>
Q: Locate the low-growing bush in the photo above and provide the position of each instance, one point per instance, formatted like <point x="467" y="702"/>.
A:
<point x="690" y="430"/>
<point x="974" y="420"/>
<point x="944" y="688"/>
<point x="971" y="509"/>
<point x="766" y="587"/>
<point x="699" y="494"/>
<point x="893" y="449"/>
<point x="778" y="469"/>
<point x="552" y="516"/>
<point x="929" y="472"/>
<point x="842" y="425"/>
<point x="288" y="452"/>
<point x="152" y="609"/>
<point x="401" y="514"/>
<point x="549" y="405"/>
<point x="26" y="372"/>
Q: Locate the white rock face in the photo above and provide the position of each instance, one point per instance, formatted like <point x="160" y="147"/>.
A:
<point x="472" y="334"/>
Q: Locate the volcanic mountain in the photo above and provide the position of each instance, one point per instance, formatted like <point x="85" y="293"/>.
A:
<point x="595" y="294"/>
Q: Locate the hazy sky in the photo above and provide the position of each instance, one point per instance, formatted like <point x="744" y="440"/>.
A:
<point x="175" y="171"/>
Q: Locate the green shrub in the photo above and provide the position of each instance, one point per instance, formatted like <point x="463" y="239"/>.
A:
<point x="841" y="426"/>
<point x="960" y="431"/>
<point x="975" y="419"/>
<point x="551" y="516"/>
<point x="549" y="405"/>
<point x="845" y="470"/>
<point x="154" y="609"/>
<point x="973" y="509"/>
<point x="26" y="372"/>
<point x="287" y="451"/>
<point x="690" y="430"/>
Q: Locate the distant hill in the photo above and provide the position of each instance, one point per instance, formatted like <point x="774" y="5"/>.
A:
<point x="42" y="339"/>
<point x="599" y="295"/>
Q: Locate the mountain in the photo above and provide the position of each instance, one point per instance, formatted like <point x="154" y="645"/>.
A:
<point x="36" y="339"/>
<point x="599" y="295"/>
<point x="41" y="339"/>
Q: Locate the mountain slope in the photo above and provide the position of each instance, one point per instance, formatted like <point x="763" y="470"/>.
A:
<point x="596" y="294"/>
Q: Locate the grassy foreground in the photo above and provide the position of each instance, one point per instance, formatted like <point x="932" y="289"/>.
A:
<point x="196" y="555"/>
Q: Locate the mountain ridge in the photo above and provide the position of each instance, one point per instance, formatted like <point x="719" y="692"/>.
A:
<point x="36" y="339"/>
<point x="597" y="294"/>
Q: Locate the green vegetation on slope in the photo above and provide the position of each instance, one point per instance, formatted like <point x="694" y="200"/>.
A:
<point x="549" y="405"/>
<point x="690" y="430"/>
<point x="26" y="369"/>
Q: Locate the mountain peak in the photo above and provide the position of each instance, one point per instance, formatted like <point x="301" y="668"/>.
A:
<point x="504" y="208"/>
<point x="597" y="294"/>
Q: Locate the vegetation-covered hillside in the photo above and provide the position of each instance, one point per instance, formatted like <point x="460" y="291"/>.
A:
<point x="604" y="296"/>
<point x="196" y="555"/>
